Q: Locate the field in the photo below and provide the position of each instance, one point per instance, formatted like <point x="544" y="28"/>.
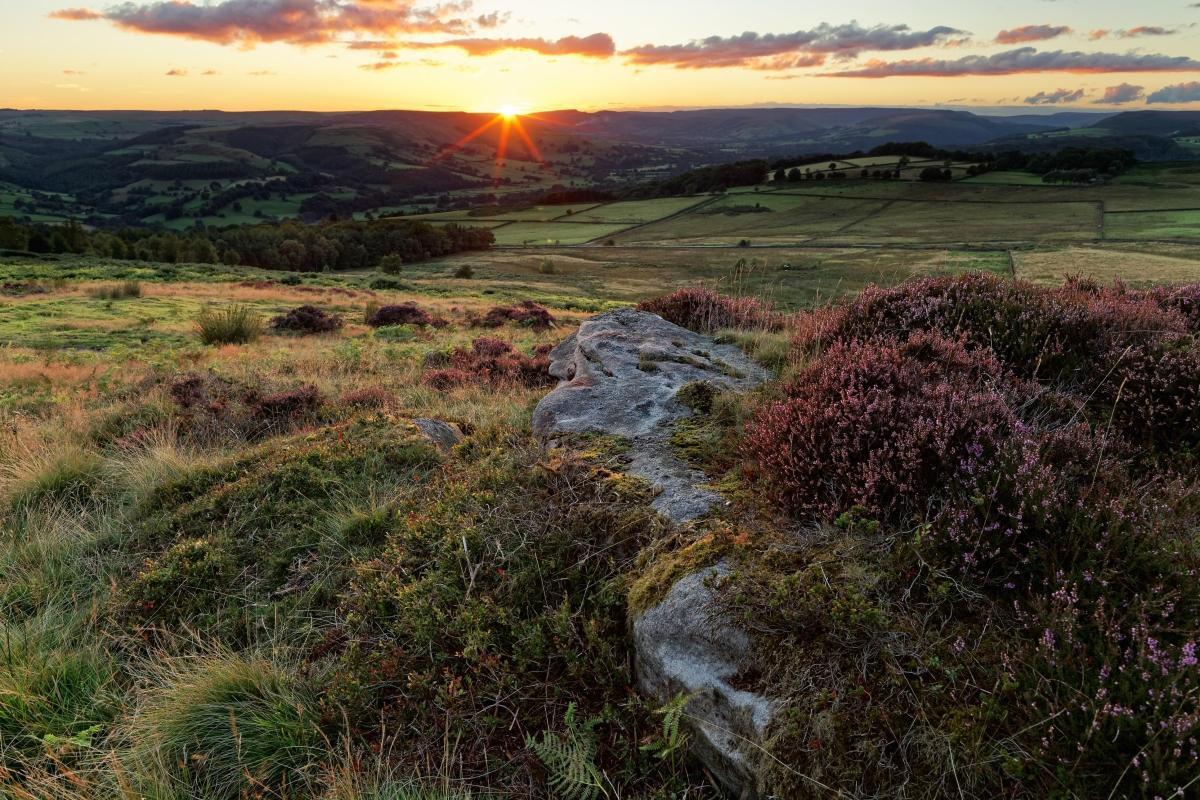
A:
<point x="999" y="210"/>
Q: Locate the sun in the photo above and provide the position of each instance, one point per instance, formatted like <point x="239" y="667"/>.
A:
<point x="509" y="112"/>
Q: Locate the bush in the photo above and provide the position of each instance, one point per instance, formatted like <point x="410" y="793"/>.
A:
<point x="880" y="425"/>
<point x="446" y="379"/>
<point x="209" y="407"/>
<point x="369" y="397"/>
<point x="1005" y="560"/>
<point x="705" y="311"/>
<point x="391" y="264"/>
<point x="403" y="314"/>
<point x="526" y="312"/>
<point x="232" y="325"/>
<point x="307" y="319"/>
<point x="228" y="727"/>
<point x="464" y="271"/>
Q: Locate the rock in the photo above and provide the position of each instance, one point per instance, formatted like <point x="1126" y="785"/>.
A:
<point x="620" y="373"/>
<point x="683" y="645"/>
<point x="443" y="434"/>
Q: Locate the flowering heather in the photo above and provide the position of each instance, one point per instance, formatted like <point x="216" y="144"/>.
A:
<point x="490" y="362"/>
<point x="881" y="425"/>
<point x="404" y="314"/>
<point x="307" y="319"/>
<point x="705" y="311"/>
<point x="526" y="312"/>
<point x="1012" y="472"/>
<point x="1068" y="335"/>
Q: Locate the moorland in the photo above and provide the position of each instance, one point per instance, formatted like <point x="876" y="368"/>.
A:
<point x="961" y="516"/>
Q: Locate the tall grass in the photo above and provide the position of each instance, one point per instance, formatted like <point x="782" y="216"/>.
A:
<point x="236" y="324"/>
<point x="56" y="690"/>
<point x="117" y="291"/>
<point x="225" y="726"/>
<point x="70" y="474"/>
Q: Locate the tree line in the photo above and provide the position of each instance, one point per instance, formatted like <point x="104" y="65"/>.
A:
<point x="289" y="245"/>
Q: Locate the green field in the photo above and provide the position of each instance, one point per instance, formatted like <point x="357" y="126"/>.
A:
<point x="1153" y="225"/>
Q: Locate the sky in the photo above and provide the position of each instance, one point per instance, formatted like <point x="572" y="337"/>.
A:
<point x="531" y="55"/>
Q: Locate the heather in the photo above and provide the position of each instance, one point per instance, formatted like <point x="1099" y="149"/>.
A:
<point x="306" y="319"/>
<point x="705" y="311"/>
<point x="994" y="592"/>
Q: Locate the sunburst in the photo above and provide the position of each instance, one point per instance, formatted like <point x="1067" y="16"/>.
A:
<point x="508" y="117"/>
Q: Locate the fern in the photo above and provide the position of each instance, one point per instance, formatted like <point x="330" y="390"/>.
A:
<point x="570" y="758"/>
<point x="673" y="737"/>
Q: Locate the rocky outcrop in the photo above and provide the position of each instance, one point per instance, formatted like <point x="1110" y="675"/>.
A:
<point x="684" y="645"/>
<point x="621" y="373"/>
<point x="444" y="435"/>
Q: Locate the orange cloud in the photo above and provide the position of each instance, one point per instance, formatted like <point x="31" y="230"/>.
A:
<point x="75" y="14"/>
<point x="1031" y="33"/>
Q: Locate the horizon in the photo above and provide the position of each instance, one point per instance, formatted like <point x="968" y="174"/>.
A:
<point x="347" y="55"/>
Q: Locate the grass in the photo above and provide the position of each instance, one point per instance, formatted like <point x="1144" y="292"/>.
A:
<point x="119" y="291"/>
<point x="225" y="725"/>
<point x="1153" y="225"/>
<point x="232" y="325"/>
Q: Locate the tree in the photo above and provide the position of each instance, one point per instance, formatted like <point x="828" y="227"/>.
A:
<point x="391" y="264"/>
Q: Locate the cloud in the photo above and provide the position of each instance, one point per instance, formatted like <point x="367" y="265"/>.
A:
<point x="301" y="22"/>
<point x="1056" y="97"/>
<point x="177" y="73"/>
<point x="1031" y="33"/>
<point x="209" y="72"/>
<point x="1023" y="60"/>
<point x="75" y="14"/>
<point x="73" y="72"/>
<point x="1131" y="33"/>
<point x="751" y="49"/>
<point x="1121" y="93"/>
<point x="1145" y="30"/>
<point x="1179" y="93"/>
<point x="598" y="45"/>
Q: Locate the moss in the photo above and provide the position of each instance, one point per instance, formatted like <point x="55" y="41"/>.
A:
<point x="663" y="565"/>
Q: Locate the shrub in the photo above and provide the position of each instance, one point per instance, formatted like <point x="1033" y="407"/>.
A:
<point x="1070" y="335"/>
<point x="546" y="267"/>
<point x="445" y="379"/>
<point x="391" y="264"/>
<point x="369" y="397"/>
<point x="307" y="319"/>
<point x="464" y="271"/>
<point x="209" y="407"/>
<point x="228" y="727"/>
<point x="403" y="314"/>
<point x="880" y="425"/>
<point x="705" y="311"/>
<point x="526" y="312"/>
<point x="232" y="325"/>
<point x="283" y="410"/>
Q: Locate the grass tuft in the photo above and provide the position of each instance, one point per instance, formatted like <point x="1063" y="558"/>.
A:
<point x="232" y="325"/>
<point x="228" y="726"/>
